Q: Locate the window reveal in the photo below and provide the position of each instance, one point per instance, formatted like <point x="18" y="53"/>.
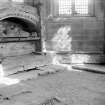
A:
<point x="72" y="7"/>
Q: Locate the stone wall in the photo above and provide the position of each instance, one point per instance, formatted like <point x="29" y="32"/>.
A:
<point x="87" y="33"/>
<point x="15" y="49"/>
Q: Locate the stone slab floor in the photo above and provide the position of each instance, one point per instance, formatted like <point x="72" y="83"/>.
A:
<point x="69" y="87"/>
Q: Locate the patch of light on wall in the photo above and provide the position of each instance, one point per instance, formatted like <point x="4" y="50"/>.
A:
<point x="62" y="40"/>
<point x="65" y="7"/>
<point x="21" y="1"/>
<point x="81" y="6"/>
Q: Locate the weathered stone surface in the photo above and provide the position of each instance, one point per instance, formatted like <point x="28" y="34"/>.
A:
<point x="81" y="58"/>
<point x="16" y="64"/>
<point x="15" y="49"/>
<point x="87" y="33"/>
<point x="19" y="10"/>
<point x="71" y="88"/>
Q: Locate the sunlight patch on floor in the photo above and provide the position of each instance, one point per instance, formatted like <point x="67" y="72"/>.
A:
<point x="5" y="80"/>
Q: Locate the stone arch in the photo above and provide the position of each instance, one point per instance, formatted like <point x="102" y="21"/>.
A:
<point x="27" y="17"/>
<point x="18" y="12"/>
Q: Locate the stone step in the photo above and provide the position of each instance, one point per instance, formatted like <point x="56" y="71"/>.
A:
<point x="90" y="67"/>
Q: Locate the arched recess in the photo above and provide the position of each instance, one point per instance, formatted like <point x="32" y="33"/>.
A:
<point x="24" y="15"/>
<point x="26" y="24"/>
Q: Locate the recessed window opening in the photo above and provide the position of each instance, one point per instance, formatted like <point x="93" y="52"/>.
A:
<point x="73" y="7"/>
